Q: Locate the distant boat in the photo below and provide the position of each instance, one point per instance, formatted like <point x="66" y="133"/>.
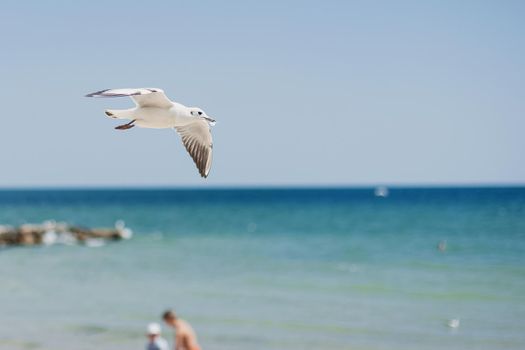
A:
<point x="381" y="191"/>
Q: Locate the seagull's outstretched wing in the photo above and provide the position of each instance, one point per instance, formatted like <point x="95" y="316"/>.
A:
<point x="196" y="137"/>
<point x="143" y="97"/>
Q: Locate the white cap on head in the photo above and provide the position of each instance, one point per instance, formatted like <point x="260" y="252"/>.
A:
<point x="154" y="329"/>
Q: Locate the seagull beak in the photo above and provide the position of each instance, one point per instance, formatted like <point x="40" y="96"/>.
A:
<point x="210" y="120"/>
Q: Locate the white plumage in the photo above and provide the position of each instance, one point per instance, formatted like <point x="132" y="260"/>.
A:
<point x="154" y="110"/>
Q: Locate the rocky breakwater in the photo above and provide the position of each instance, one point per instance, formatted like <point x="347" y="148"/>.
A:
<point x="51" y="232"/>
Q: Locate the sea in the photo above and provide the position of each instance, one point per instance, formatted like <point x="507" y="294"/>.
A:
<point x="271" y="268"/>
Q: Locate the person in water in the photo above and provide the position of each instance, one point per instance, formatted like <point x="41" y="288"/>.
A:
<point x="155" y="341"/>
<point x="185" y="338"/>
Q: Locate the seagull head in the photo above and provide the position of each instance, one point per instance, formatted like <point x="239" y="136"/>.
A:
<point x="199" y="113"/>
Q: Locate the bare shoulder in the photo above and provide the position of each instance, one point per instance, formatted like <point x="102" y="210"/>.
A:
<point x="187" y="336"/>
<point x="183" y="327"/>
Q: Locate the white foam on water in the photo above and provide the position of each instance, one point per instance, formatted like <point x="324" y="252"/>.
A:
<point x="125" y="232"/>
<point x="94" y="242"/>
<point x="66" y="238"/>
<point x="49" y="238"/>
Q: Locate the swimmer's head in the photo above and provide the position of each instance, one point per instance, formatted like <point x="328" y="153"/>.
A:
<point x="169" y="317"/>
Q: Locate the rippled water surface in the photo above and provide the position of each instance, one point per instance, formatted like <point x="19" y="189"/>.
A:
<point x="272" y="269"/>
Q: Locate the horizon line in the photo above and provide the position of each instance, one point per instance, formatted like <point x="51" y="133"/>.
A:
<point x="261" y="186"/>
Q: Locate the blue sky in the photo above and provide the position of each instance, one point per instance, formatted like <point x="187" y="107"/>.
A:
<point x="305" y="93"/>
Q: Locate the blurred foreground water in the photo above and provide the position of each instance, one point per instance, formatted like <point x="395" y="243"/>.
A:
<point x="272" y="269"/>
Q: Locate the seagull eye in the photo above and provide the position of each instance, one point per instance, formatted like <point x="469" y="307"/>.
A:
<point x="200" y="113"/>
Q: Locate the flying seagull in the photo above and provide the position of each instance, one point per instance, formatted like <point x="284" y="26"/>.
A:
<point x="154" y="110"/>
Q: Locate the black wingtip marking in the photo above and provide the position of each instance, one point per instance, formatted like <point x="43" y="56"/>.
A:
<point x="97" y="93"/>
<point x="101" y="94"/>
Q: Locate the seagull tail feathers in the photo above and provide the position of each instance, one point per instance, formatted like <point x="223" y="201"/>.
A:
<point x="119" y="113"/>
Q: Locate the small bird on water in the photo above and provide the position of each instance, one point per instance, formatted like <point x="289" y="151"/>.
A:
<point x="154" y="110"/>
<point x="453" y="323"/>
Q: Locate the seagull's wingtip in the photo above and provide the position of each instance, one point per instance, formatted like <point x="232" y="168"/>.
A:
<point x="96" y="93"/>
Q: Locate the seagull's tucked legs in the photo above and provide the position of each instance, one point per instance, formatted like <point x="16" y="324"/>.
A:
<point x="126" y="126"/>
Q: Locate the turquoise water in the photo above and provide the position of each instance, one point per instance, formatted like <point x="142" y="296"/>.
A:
<point x="272" y="269"/>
